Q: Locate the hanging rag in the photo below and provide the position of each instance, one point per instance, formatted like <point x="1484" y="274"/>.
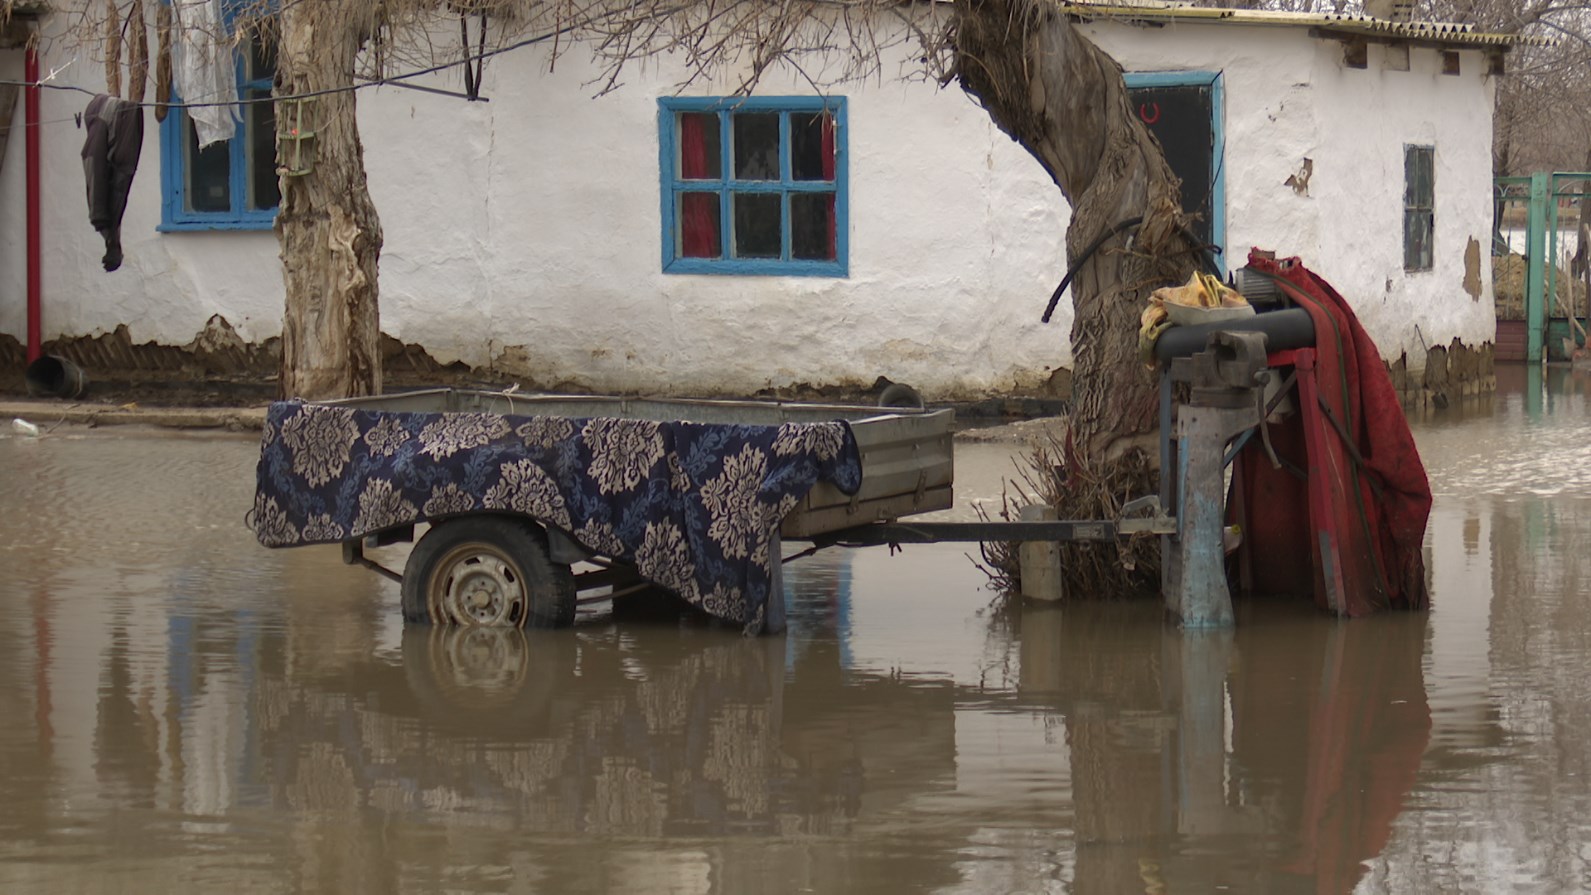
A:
<point x="203" y="69"/>
<point x="110" y="159"/>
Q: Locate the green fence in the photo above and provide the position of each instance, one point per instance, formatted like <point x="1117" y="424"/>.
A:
<point x="1547" y="289"/>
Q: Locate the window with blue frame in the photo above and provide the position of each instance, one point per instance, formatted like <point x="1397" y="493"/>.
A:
<point x="230" y="185"/>
<point x="754" y="185"/>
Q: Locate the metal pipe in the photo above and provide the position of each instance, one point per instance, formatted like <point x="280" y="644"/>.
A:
<point x="30" y="73"/>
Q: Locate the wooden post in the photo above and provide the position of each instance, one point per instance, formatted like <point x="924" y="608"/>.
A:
<point x="1041" y="560"/>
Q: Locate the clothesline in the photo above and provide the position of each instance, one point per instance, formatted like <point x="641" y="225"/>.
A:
<point x="404" y="76"/>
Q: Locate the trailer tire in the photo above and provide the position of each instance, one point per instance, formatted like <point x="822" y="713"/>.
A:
<point x="487" y="570"/>
<point x="900" y="395"/>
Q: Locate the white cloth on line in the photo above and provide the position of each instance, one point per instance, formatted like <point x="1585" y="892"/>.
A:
<point x="203" y="68"/>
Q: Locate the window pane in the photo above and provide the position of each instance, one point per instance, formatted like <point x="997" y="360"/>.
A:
<point x="812" y="228"/>
<point x="264" y="190"/>
<point x="1417" y="249"/>
<point x="262" y="58"/>
<point x="700" y="157"/>
<point x="209" y="186"/>
<point x="1411" y="165"/>
<point x="697" y="225"/>
<point x="811" y="146"/>
<point x="1418" y="179"/>
<point x="756" y="146"/>
<point x="757" y="225"/>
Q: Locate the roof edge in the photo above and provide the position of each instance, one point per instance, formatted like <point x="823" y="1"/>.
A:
<point x="1448" y="34"/>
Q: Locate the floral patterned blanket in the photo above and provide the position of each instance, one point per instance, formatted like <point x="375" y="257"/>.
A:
<point x="695" y="507"/>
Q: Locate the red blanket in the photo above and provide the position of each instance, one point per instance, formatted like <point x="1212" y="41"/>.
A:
<point x="1379" y="498"/>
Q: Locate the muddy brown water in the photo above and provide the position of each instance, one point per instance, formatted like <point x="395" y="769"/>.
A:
<point x="184" y="711"/>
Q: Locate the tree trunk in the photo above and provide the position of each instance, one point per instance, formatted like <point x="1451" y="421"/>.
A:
<point x="1065" y="101"/>
<point x="327" y="226"/>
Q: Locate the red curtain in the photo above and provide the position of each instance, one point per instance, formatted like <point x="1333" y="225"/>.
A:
<point x="828" y="174"/>
<point x="698" y="216"/>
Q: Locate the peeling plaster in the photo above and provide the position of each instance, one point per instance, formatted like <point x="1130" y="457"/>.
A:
<point x="1300" y="181"/>
<point x="1472" y="269"/>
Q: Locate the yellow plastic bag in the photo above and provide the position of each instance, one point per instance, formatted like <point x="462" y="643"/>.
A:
<point x="1203" y="291"/>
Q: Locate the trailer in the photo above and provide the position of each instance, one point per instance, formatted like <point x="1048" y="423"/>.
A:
<point x="518" y="533"/>
<point x="515" y="491"/>
<point x="533" y="504"/>
<point x="501" y="547"/>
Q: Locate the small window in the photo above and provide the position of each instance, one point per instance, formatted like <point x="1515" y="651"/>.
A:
<point x="231" y="185"/>
<point x="753" y="186"/>
<point x="1419" y="206"/>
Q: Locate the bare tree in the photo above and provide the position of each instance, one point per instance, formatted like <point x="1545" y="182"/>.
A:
<point x="327" y="225"/>
<point x="1065" y="101"/>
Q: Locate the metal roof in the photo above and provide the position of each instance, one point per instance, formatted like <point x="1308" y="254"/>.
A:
<point x="1449" y="34"/>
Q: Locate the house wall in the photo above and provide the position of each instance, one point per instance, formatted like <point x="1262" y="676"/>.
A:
<point x="522" y="235"/>
<point x="1288" y="98"/>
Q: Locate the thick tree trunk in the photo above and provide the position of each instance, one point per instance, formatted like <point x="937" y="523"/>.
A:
<point x="1065" y="101"/>
<point x="326" y="224"/>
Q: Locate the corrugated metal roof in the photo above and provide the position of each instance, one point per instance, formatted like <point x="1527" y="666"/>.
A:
<point x="1444" y="33"/>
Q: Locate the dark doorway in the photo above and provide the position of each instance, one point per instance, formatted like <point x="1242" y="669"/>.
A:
<point x="1182" y="118"/>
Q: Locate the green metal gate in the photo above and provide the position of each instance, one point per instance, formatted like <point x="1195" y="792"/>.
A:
<point x="1550" y="307"/>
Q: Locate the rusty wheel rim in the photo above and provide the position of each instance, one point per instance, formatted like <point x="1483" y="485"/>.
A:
<point x="477" y="584"/>
<point x="479" y="667"/>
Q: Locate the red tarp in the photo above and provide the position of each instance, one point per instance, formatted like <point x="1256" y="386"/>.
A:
<point x="1366" y="527"/>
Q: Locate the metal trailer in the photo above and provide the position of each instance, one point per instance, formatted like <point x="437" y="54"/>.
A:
<point x="907" y="469"/>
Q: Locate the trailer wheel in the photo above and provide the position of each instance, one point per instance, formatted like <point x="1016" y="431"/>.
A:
<point x="492" y="571"/>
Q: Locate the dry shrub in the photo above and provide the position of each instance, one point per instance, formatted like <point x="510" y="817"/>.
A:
<point x="1508" y="284"/>
<point x="1055" y="472"/>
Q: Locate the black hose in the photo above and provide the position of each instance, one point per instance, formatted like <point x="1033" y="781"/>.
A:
<point x="1055" y="297"/>
<point x="1207" y="254"/>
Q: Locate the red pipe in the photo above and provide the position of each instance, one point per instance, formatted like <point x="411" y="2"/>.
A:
<point x="30" y="73"/>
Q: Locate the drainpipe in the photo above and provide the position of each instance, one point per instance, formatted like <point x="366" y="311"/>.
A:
<point x="30" y="69"/>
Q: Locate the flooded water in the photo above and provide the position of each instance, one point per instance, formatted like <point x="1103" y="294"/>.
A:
<point x="184" y="711"/>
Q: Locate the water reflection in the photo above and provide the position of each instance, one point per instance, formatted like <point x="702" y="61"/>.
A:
<point x="1273" y="758"/>
<point x="640" y="732"/>
<point x="185" y="711"/>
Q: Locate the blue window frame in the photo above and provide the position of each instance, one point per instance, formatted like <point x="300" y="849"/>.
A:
<point x="754" y="185"/>
<point x="231" y="185"/>
<point x="1210" y="89"/>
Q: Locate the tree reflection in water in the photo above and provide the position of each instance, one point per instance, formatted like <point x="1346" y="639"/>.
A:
<point x="1289" y="744"/>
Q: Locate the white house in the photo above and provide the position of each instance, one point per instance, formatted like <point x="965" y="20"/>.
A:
<point x="627" y="243"/>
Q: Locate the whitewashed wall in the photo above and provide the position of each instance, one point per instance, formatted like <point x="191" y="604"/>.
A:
<point x="523" y="234"/>
<point x="1288" y="98"/>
